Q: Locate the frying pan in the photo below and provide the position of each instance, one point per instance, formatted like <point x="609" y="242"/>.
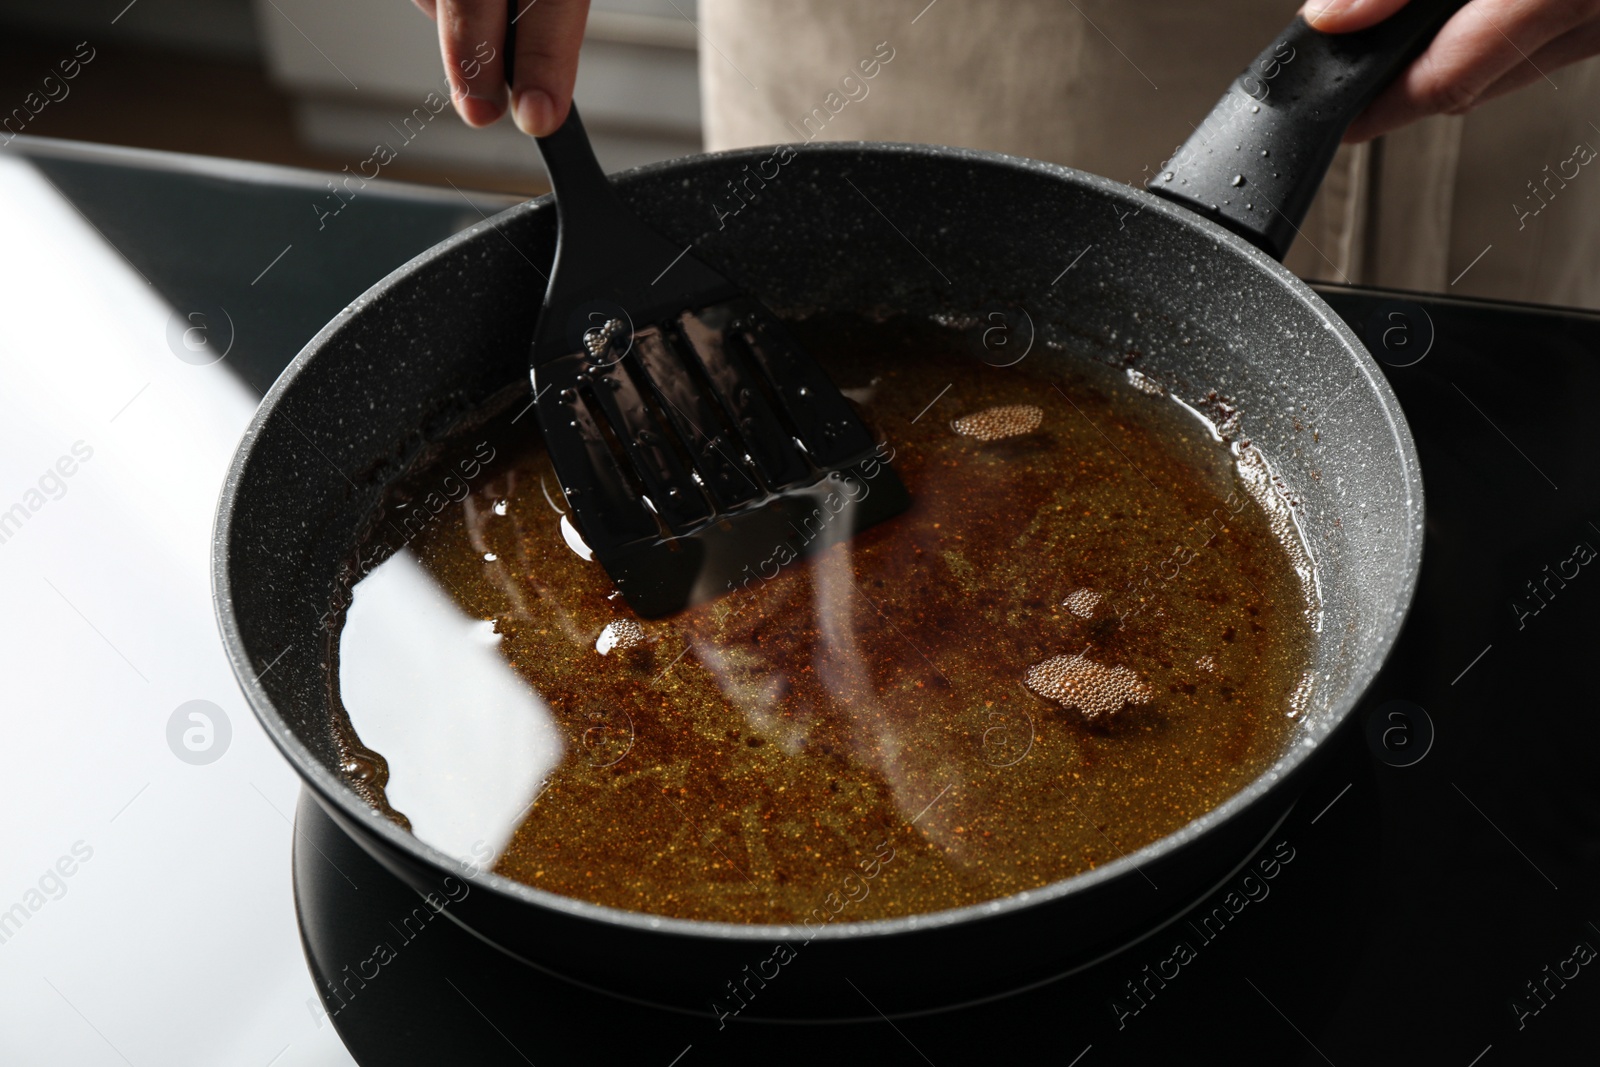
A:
<point x="1189" y="278"/>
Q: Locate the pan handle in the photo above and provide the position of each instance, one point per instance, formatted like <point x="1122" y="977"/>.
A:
<point x="1256" y="161"/>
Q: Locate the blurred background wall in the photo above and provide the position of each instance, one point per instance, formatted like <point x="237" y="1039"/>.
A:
<point x="318" y="83"/>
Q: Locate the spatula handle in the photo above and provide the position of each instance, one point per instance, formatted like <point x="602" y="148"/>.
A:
<point x="585" y="202"/>
<point x="581" y="187"/>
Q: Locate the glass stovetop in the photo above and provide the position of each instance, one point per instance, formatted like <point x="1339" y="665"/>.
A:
<point x="1440" y="905"/>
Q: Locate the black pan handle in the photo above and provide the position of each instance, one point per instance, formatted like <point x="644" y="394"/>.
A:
<point x="1256" y="161"/>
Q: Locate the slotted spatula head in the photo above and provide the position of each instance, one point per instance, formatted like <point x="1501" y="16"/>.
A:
<point x="699" y="447"/>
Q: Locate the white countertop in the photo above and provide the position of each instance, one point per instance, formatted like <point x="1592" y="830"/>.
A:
<point x="173" y="939"/>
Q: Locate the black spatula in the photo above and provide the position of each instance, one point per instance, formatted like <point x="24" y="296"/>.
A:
<point x="700" y="448"/>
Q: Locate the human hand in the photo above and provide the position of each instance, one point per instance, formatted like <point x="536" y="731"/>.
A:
<point x="1487" y="49"/>
<point x="472" y="35"/>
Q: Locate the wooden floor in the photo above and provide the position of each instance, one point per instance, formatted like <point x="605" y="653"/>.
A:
<point x="152" y="99"/>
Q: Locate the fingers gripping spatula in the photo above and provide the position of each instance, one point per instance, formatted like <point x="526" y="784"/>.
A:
<point x="698" y="446"/>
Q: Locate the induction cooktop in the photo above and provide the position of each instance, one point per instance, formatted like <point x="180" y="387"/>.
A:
<point x="1432" y="895"/>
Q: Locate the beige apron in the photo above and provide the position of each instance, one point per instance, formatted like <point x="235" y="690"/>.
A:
<point x="1499" y="204"/>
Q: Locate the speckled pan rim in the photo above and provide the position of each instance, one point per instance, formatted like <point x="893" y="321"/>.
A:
<point x="331" y="790"/>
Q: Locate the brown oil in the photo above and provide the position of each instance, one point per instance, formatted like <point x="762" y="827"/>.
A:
<point x="1086" y="633"/>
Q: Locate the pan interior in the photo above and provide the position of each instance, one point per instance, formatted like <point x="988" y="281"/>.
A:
<point x="1093" y="625"/>
<point x="1136" y="286"/>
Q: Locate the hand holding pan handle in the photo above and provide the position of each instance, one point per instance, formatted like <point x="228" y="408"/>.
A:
<point x="1256" y="161"/>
